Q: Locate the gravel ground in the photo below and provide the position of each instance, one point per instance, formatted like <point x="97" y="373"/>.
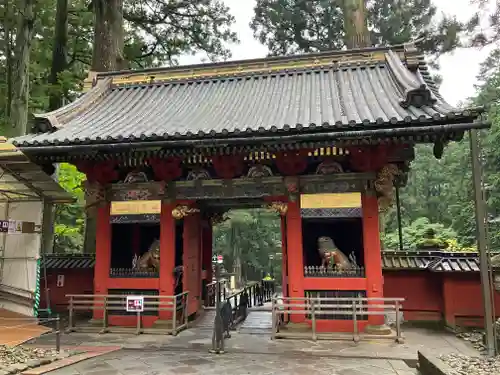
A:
<point x="464" y="365"/>
<point x="14" y="360"/>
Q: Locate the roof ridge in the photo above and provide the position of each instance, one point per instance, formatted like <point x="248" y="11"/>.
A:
<point x="270" y="60"/>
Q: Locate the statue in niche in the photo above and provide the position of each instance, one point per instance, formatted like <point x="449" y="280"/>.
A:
<point x="198" y="174"/>
<point x="329" y="167"/>
<point x="150" y="260"/>
<point x="330" y="253"/>
<point x="135" y="177"/>
<point x="259" y="171"/>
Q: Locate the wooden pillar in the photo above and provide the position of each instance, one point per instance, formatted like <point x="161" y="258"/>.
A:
<point x="102" y="253"/>
<point x="372" y="253"/>
<point x="167" y="254"/>
<point x="295" y="255"/>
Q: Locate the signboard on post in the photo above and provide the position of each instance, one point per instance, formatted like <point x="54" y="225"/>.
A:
<point x="135" y="304"/>
<point x="219" y="259"/>
<point x="16" y="226"/>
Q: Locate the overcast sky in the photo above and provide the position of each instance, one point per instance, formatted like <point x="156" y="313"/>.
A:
<point x="459" y="69"/>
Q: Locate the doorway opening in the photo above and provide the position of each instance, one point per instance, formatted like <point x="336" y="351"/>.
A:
<point x="131" y="240"/>
<point x="346" y="233"/>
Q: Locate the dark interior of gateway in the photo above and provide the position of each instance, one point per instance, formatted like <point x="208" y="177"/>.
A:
<point x="346" y="233"/>
<point x="130" y="239"/>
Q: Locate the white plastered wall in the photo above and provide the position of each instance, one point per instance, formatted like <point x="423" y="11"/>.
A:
<point x="18" y="276"/>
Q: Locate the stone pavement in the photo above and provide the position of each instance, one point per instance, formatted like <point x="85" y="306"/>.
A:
<point x="440" y="343"/>
<point x="257" y="322"/>
<point x="143" y="362"/>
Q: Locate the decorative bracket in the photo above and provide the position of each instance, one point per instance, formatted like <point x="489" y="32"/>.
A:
<point x="280" y="207"/>
<point x="384" y="185"/>
<point x="182" y="211"/>
<point x="95" y="194"/>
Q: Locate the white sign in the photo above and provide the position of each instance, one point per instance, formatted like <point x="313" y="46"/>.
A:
<point x="135" y="304"/>
<point x="219" y="259"/>
<point x="60" y="281"/>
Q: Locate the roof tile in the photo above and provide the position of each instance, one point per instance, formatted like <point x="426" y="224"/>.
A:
<point x="335" y="96"/>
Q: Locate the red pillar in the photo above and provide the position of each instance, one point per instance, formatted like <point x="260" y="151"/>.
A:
<point x="284" y="257"/>
<point x="206" y="243"/>
<point x="102" y="253"/>
<point x="191" y="257"/>
<point x="372" y="253"/>
<point x="295" y="255"/>
<point x="167" y="254"/>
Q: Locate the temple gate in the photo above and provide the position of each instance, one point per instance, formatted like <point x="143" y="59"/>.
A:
<point x="321" y="139"/>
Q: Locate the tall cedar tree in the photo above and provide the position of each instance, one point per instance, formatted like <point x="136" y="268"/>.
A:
<point x="292" y="26"/>
<point x="20" y="88"/>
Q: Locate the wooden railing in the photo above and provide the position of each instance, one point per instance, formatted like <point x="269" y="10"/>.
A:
<point x="319" y="271"/>
<point x="255" y="293"/>
<point x="282" y="307"/>
<point x="116" y="303"/>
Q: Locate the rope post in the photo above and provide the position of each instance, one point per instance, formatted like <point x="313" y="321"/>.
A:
<point x="70" y="317"/>
<point x="273" y="319"/>
<point x="174" y="317"/>
<point x="105" y="315"/>
<point x="58" y="333"/>
<point x="399" y="336"/>
<point x="185" y="307"/>
<point x="355" y="336"/>
<point x="313" y="318"/>
<point x="138" y="328"/>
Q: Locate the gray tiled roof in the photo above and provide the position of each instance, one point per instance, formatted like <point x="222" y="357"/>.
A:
<point x="435" y="261"/>
<point x="64" y="261"/>
<point x="353" y="95"/>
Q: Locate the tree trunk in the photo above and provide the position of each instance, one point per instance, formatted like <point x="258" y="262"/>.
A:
<point x="20" y="90"/>
<point x="355" y="27"/>
<point x="107" y="56"/>
<point x="108" y="36"/>
<point x="8" y="54"/>
<point x="59" y="53"/>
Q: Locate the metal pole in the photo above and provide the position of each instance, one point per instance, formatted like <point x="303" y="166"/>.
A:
<point x="482" y="242"/>
<point x="398" y="212"/>
<point x="218" y="317"/>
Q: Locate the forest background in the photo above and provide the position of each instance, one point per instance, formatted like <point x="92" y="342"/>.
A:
<point x="47" y="48"/>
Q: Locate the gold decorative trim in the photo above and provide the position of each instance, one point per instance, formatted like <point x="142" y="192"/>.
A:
<point x="181" y="211"/>
<point x="246" y="68"/>
<point x="330" y="200"/>
<point x="135" y="207"/>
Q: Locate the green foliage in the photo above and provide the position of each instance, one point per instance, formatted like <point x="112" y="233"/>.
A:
<point x="415" y="236"/>
<point x="69" y="227"/>
<point x="248" y="238"/>
<point x="292" y="26"/>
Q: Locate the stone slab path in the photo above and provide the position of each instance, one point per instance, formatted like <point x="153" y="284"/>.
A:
<point x="139" y="362"/>
<point x="257" y="322"/>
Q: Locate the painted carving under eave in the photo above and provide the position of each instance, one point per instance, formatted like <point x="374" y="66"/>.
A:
<point x="181" y="211"/>
<point x="329" y="166"/>
<point x="280" y="207"/>
<point x="135" y="177"/>
<point x="95" y="194"/>
<point x="198" y="174"/>
<point x="384" y="185"/>
<point x="259" y="171"/>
